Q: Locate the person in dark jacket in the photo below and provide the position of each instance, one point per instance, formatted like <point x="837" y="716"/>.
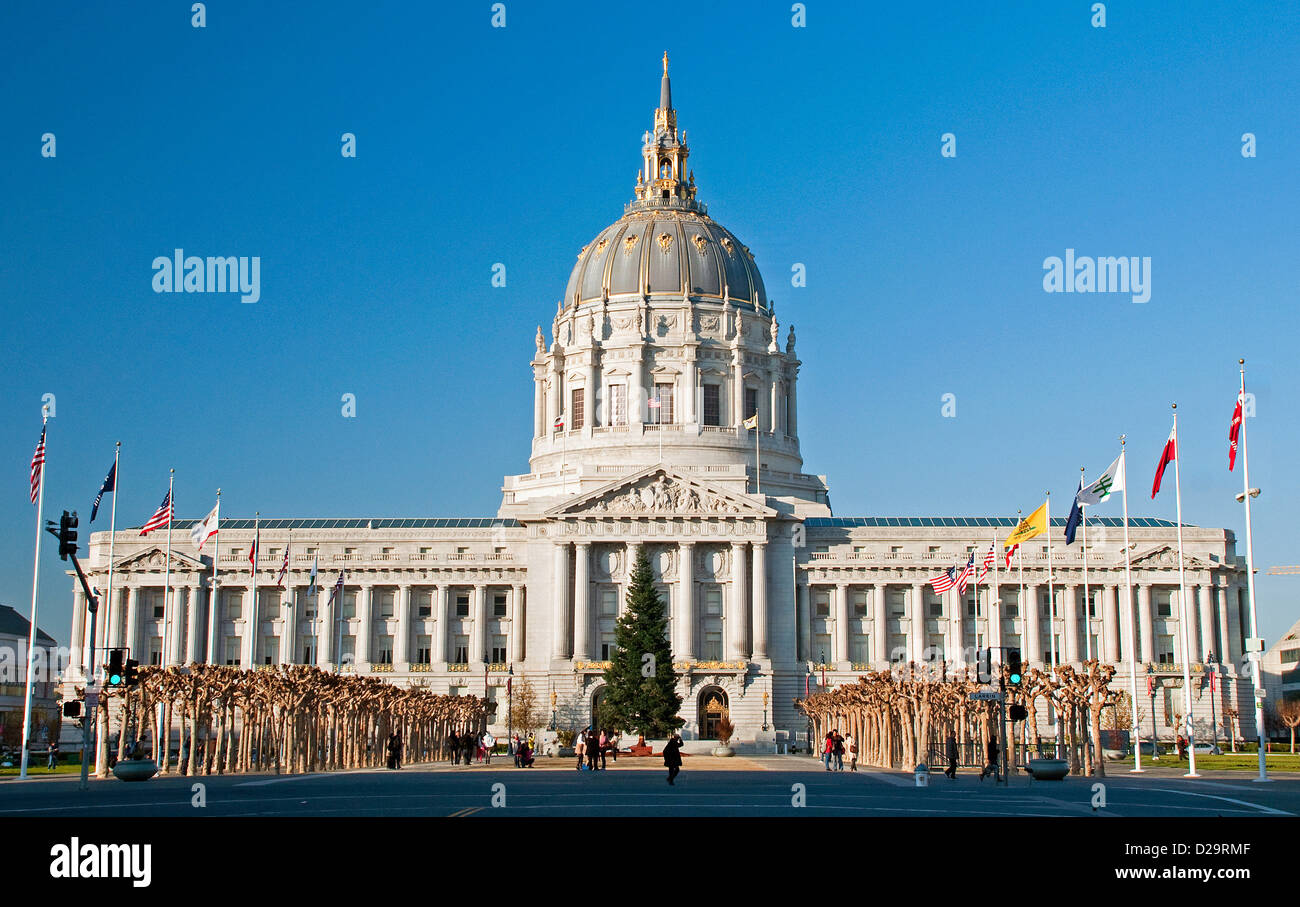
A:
<point x="593" y="749"/>
<point x="453" y="744"/>
<point x="673" y="756"/>
<point x="951" y="746"/>
<point x="992" y="767"/>
<point x="838" y="750"/>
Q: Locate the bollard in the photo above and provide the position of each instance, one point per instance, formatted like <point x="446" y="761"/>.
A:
<point x="922" y="775"/>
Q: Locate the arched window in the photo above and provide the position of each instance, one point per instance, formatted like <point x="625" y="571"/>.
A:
<point x="665" y="169"/>
<point x="712" y="709"/>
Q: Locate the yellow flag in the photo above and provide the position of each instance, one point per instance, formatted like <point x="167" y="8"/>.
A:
<point x="752" y="421"/>
<point x="1030" y="526"/>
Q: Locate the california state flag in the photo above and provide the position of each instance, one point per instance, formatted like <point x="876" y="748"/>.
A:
<point x="205" y="530"/>
<point x="1167" y="456"/>
<point x="1234" y="433"/>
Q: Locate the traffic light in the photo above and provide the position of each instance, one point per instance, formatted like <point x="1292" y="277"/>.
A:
<point x="115" y="672"/>
<point x="131" y="673"/>
<point x="984" y="665"/>
<point x="72" y="708"/>
<point x="1014" y="664"/>
<point x="66" y="533"/>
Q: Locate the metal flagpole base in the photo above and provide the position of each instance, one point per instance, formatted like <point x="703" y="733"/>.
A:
<point x="1192" y="775"/>
<point x="1137" y="771"/>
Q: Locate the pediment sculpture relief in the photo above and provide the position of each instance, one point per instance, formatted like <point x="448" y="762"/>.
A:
<point x="663" y="495"/>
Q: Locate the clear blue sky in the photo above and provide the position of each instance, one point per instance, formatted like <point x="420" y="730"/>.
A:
<point x="479" y="145"/>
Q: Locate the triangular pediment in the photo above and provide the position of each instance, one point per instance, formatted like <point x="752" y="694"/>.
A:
<point x="156" y="559"/>
<point x="661" y="491"/>
<point x="1166" y="556"/>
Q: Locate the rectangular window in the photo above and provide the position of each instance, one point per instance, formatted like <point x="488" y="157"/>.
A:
<point x="712" y="404"/>
<point x="712" y="648"/>
<point x="234" y="604"/>
<point x="859" y="648"/>
<point x="155" y="650"/>
<point x="270" y="650"/>
<point x="455" y="691"/>
<point x="821" y="604"/>
<point x="618" y="404"/>
<point x="232" y="650"/>
<point x="897" y="604"/>
<point x="751" y="401"/>
<point x="821" y="648"/>
<point x="577" y="411"/>
<point x="462" y="605"/>
<point x="664" y="393"/>
<point x="859" y="604"/>
<point x="936" y="609"/>
<point x="423" y="650"/>
<point x="387" y="603"/>
<point x="424" y="604"/>
<point x="462" y="650"/>
<point x="348" y="650"/>
<point x="349" y="605"/>
<point x="1165" y="649"/>
<point x="498" y="650"/>
<point x="385" y="644"/>
<point x="607" y="646"/>
<point x="1164" y="603"/>
<point x="309" y="650"/>
<point x="499" y="605"/>
<point x="1290" y="656"/>
<point x="268" y="604"/>
<point x="608" y="603"/>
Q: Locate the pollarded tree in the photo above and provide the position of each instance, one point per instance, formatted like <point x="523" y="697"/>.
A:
<point x="641" y="687"/>
<point x="1288" y="715"/>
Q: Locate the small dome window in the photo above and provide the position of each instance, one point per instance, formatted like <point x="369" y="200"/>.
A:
<point x="665" y="169"/>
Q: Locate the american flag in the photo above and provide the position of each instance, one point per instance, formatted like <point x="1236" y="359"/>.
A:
<point x="1011" y="553"/>
<point x="963" y="578"/>
<point x="161" y="518"/>
<point x="38" y="465"/>
<point x="284" y="567"/>
<point x="338" y="589"/>
<point x="987" y="565"/>
<point x="944" y="581"/>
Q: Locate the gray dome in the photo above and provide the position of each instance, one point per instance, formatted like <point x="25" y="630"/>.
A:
<point x="668" y="252"/>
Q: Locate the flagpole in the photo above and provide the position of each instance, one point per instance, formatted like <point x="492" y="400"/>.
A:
<point x="1250" y="580"/>
<point x="252" y="624"/>
<point x="1182" y="614"/>
<point x="1132" y="623"/>
<point x="1051" y="591"/>
<point x="167" y="572"/>
<point x="36" y="576"/>
<point x="101" y="725"/>
<point x="212" y="605"/>
<point x="336" y="615"/>
<point x="1087" y="599"/>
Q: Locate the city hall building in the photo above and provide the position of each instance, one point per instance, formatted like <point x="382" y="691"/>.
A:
<point x="664" y="345"/>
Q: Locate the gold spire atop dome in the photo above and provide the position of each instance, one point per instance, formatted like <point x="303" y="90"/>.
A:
<point x="665" y="62"/>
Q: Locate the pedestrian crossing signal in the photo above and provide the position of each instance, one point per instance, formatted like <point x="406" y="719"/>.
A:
<point x="1014" y="663"/>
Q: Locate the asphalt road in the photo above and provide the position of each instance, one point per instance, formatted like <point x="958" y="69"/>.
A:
<point x="781" y="786"/>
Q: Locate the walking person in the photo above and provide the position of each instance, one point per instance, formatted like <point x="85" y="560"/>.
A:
<point x="467" y="742"/>
<point x="53" y="761"/>
<point x="580" y="747"/>
<point x="604" y="748"/>
<point x="838" y="750"/>
<point x="853" y="752"/>
<point x="951" y="747"/>
<point x="489" y="742"/>
<point x="992" y="767"/>
<point x="593" y="749"/>
<point x="673" y="756"/>
<point x="828" y="747"/>
<point x="453" y="744"/>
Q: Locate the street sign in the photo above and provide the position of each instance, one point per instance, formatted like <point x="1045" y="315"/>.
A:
<point x="987" y="696"/>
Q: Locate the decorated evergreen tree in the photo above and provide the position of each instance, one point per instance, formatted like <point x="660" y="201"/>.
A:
<point x="640" y="693"/>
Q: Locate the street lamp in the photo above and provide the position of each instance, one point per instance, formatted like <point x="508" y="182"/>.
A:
<point x="807" y="682"/>
<point x="1151" y="691"/>
<point x="552" y="727"/>
<point x="1212" y="666"/>
<point x="510" y="710"/>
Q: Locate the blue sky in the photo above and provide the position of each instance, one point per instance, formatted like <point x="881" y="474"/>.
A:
<point x="476" y="145"/>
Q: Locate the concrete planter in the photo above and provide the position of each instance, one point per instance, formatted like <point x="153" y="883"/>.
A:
<point x="1048" y="769"/>
<point x="135" y="769"/>
<point x="723" y="751"/>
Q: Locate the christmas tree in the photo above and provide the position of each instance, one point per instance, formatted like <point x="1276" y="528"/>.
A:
<point x="640" y="685"/>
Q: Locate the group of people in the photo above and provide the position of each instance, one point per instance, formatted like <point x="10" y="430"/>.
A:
<point x="395" y="750"/>
<point x="991" y="764"/>
<point x="467" y="746"/>
<point x="835" y="746"/>
<point x="592" y="747"/>
<point x="525" y="747"/>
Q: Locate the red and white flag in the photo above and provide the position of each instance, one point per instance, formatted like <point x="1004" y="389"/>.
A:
<point x="284" y="568"/>
<point x="1167" y="456"/>
<point x="161" y="517"/>
<point x="559" y="423"/>
<point x="205" y="530"/>
<point x="987" y="565"/>
<point x="38" y="466"/>
<point x="1234" y="431"/>
<point x="252" y="552"/>
<point x="1011" y="553"/>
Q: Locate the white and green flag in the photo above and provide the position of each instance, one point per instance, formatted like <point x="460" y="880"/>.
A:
<point x="1109" y="482"/>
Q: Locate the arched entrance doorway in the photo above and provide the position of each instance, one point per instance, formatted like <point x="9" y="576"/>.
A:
<point x="596" y="698"/>
<point x="712" y="708"/>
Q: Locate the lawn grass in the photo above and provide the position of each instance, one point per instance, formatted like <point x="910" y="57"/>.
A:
<point x="1280" y="762"/>
<point x="36" y="768"/>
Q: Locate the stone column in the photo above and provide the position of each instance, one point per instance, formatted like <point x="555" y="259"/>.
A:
<point x="289" y="625"/>
<point x="760" y="601"/>
<point x="803" y="647"/>
<point x="1187" y="612"/>
<point x="195" y="624"/>
<point x="518" y="627"/>
<point x="687" y="616"/>
<point x="879" y="627"/>
<point x="736" y="616"/>
<point x="402" y="642"/>
<point x="917" y="647"/>
<point x="560" y="602"/>
<point x="478" y="633"/>
<point x="76" y="647"/>
<point x="1226" y="654"/>
<point x="1146" y="623"/>
<point x="737" y="389"/>
<point x="1032" y="637"/>
<point x="539" y="407"/>
<point x="248" y="612"/>
<point x="1207" y="621"/>
<point x="1238" y="617"/>
<point x="1127" y="647"/>
<point x="131" y="626"/>
<point x="1109" y="624"/>
<point x="365" y="603"/>
<point x="994" y="617"/>
<point x="689" y="413"/>
<point x="441" y="625"/>
<point x="956" y="631"/>
<point x="326" y="628"/>
<point x="840" y="644"/>
<point x="582" y="601"/>
<point x="1070" y="606"/>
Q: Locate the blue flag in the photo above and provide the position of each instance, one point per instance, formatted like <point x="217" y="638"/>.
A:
<point x="110" y="484"/>
<point x="1076" y="517"/>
